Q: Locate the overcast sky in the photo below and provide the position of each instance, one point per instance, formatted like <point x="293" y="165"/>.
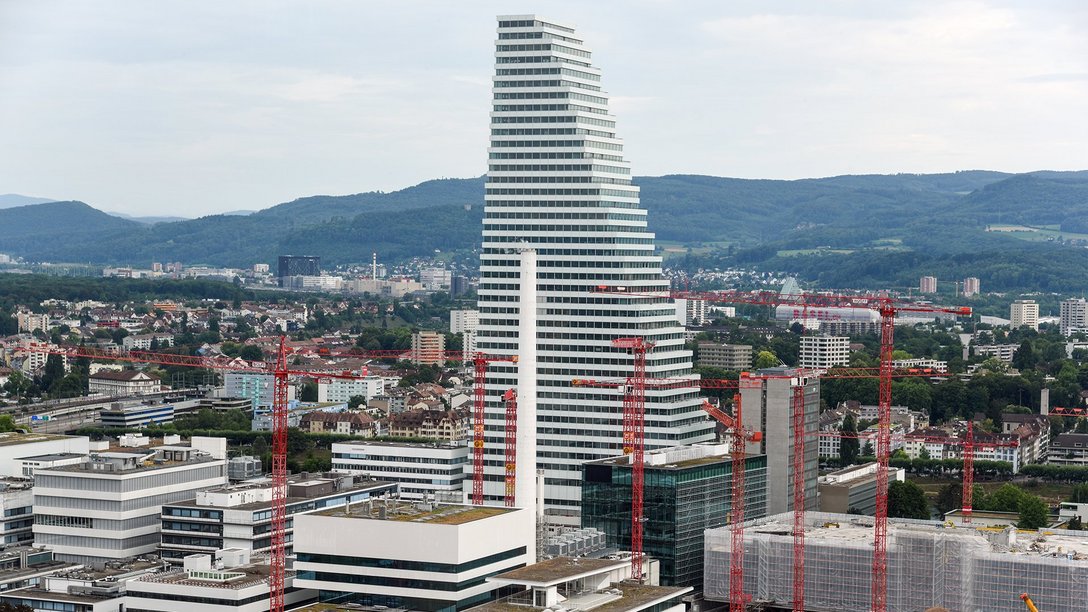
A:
<point x="190" y="107"/>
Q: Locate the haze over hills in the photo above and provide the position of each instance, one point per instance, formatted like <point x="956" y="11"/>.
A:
<point x="9" y="200"/>
<point x="840" y="231"/>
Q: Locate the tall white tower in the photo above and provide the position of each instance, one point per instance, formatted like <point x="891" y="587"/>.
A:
<point x="557" y="182"/>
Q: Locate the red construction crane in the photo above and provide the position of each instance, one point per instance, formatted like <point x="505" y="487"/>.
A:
<point x="738" y="599"/>
<point x="511" y="400"/>
<point x="799" y="498"/>
<point x="888" y="307"/>
<point x="634" y="440"/>
<point x="480" y="363"/>
<point x="969" y="446"/>
<point x="281" y="373"/>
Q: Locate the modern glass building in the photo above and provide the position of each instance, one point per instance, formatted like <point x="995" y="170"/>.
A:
<point x="557" y="182"/>
<point x="687" y="490"/>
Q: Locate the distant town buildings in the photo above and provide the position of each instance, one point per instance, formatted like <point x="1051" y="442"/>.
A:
<point x="428" y="348"/>
<point x="727" y="356"/>
<point x="691" y="313"/>
<point x="435" y="279"/>
<point x="928" y="284"/>
<point x="970" y="286"/>
<point x="462" y="321"/>
<point x="126" y="382"/>
<point x="1074" y="316"/>
<point x="1024" y="313"/>
<point x="297" y="265"/>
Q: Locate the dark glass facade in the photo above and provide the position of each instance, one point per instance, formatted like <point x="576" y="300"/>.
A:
<point x="680" y="501"/>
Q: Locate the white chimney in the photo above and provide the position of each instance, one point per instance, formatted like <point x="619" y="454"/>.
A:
<point x="525" y="490"/>
<point x="1044" y="401"/>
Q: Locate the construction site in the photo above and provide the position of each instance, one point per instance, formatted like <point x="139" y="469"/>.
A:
<point x="930" y="564"/>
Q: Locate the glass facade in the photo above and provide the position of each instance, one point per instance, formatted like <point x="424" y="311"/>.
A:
<point x="679" y="503"/>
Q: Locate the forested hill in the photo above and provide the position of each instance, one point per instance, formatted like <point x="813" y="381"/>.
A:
<point x="872" y="224"/>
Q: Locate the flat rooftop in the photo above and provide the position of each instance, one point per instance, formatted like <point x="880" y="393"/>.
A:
<point x="403" y="511"/>
<point x="857" y="530"/>
<point x="618" y="597"/>
<point x="52" y="457"/>
<point x="260" y="505"/>
<point x="145" y="466"/>
<point x="14" y="438"/>
<point x="672" y="465"/>
<point x="253" y="574"/>
<point x="560" y="568"/>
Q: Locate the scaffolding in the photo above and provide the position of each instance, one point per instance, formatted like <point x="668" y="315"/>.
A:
<point x="962" y="569"/>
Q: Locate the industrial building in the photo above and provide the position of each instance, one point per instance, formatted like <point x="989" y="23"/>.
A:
<point x="852" y="490"/>
<point x="929" y="564"/>
<point x="687" y="490"/>
<point x="298" y="265"/>
<point x="136" y="414"/>
<point x="424" y="471"/>
<point x="240" y="516"/>
<point x="768" y="409"/>
<point x="410" y="555"/>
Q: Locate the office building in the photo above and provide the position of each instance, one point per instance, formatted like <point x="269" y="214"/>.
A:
<point x="1024" y="313"/>
<point x="462" y="321"/>
<point x="970" y="286"/>
<point x="1074" y="316"/>
<point x="76" y="588"/>
<point x="435" y="279"/>
<point x="108" y="507"/>
<point x="852" y="490"/>
<point x="424" y="471"/>
<point x="823" y="352"/>
<point x="428" y="348"/>
<point x="298" y="265"/>
<point x="929" y="565"/>
<point x="691" y="313"/>
<point x="928" y="284"/>
<point x="23" y="566"/>
<point x="239" y="516"/>
<point x="687" y="491"/>
<point x="737" y="357"/>
<point x="228" y="580"/>
<point x="460" y="285"/>
<point x="767" y="407"/>
<point x="557" y="183"/>
<point x="16" y="447"/>
<point x="17" y="510"/>
<point x="407" y="555"/>
<point x="136" y="415"/>
<point x="343" y="389"/>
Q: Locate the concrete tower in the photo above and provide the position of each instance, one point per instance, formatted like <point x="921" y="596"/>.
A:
<point x="557" y="183"/>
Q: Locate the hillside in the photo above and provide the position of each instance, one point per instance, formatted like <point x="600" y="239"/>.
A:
<point x="8" y="200"/>
<point x="838" y="230"/>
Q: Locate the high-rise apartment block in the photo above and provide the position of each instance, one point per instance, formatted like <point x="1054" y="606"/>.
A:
<point x="1024" y="313"/>
<point x="768" y="409"/>
<point x="1074" y="316"/>
<point x="691" y="312"/>
<point x="423" y="471"/>
<point x="822" y="352"/>
<point x="428" y="348"/>
<point x="298" y="265"/>
<point x="462" y="321"/>
<point x="928" y="284"/>
<point x="970" y="286"/>
<point x="558" y="183"/>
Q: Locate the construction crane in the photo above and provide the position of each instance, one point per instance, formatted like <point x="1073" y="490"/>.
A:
<point x="888" y="308"/>
<point x="510" y="398"/>
<point x="634" y="440"/>
<point x="281" y="374"/>
<point x="1028" y="602"/>
<point x="480" y="364"/>
<point x="738" y="599"/>
<point x="969" y="446"/>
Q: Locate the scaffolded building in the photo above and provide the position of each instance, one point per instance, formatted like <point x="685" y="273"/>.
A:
<point x="929" y="564"/>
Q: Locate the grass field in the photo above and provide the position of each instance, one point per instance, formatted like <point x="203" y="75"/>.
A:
<point x="1032" y="233"/>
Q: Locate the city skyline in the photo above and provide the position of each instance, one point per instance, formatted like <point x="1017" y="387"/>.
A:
<point x="198" y="108"/>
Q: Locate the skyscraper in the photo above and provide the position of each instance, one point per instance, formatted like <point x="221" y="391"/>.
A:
<point x="557" y="182"/>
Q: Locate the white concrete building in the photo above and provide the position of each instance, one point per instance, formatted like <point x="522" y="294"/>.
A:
<point x="108" y="508"/>
<point x="1004" y="352"/>
<point x="1024" y="313"/>
<point x="124" y="383"/>
<point x="17" y="510"/>
<point x="342" y="389"/>
<point x="970" y="286"/>
<point x="691" y="313"/>
<point x="1074" y="316"/>
<point x="228" y="580"/>
<point x="15" y="446"/>
<point x="406" y="555"/>
<point x="558" y="183"/>
<point x="435" y="279"/>
<point x="428" y="348"/>
<point x="928" y="284"/>
<point x="239" y="516"/>
<point x="424" y="471"/>
<point x="464" y="321"/>
<point x="144" y="341"/>
<point x="822" y="352"/>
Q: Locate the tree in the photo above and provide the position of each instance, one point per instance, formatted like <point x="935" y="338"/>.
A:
<point x="1033" y="513"/>
<point x="868" y="451"/>
<point x="1024" y="358"/>
<point x="356" y="400"/>
<point x="949" y="498"/>
<point x="7" y="423"/>
<point x="924" y="453"/>
<point x="765" y="359"/>
<point x="849" y="443"/>
<point x="1075" y="524"/>
<point x="54" y="370"/>
<point x="1079" y="494"/>
<point x="251" y="352"/>
<point x="1006" y="499"/>
<point x="309" y="392"/>
<point x="907" y="500"/>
